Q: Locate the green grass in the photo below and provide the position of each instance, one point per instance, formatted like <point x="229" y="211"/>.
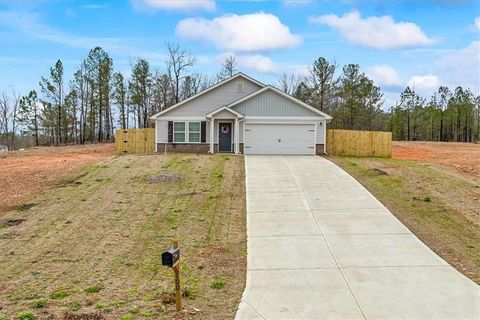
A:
<point x="74" y="305"/>
<point x="219" y="283"/>
<point x="40" y="303"/>
<point x="26" y="315"/>
<point x="439" y="218"/>
<point x="94" y="289"/>
<point x="58" y="295"/>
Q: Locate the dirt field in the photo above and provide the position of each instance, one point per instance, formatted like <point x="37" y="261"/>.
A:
<point x="463" y="157"/>
<point x="90" y="247"/>
<point x="24" y="174"/>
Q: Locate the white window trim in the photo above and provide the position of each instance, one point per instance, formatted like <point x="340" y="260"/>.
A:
<point x="184" y="131"/>
<point x="199" y="132"/>
<point x="187" y="132"/>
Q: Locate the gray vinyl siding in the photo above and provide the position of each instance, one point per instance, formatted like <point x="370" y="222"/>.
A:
<point x="272" y="104"/>
<point x="320" y="132"/>
<point x="162" y="131"/>
<point x="214" y="99"/>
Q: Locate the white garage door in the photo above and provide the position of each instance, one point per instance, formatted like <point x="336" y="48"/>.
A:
<point x="279" y="139"/>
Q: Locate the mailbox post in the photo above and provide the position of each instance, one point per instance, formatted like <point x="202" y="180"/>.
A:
<point x="171" y="258"/>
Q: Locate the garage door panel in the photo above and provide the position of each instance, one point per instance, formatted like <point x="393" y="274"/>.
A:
<point x="279" y="139"/>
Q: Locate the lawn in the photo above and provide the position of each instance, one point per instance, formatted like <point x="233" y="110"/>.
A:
<point x="439" y="205"/>
<point x="89" y="247"/>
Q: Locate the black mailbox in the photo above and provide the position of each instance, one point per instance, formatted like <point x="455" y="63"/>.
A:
<point x="170" y="257"/>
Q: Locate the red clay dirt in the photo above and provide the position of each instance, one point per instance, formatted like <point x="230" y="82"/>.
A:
<point x="463" y="157"/>
<point x="25" y="173"/>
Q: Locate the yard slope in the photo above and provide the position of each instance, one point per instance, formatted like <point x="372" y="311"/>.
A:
<point x="439" y="206"/>
<point x="91" y="245"/>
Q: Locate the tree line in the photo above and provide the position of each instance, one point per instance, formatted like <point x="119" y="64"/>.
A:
<point x="99" y="99"/>
<point x="356" y="103"/>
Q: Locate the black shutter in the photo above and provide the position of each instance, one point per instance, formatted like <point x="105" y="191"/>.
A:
<point x="203" y="132"/>
<point x="170" y="131"/>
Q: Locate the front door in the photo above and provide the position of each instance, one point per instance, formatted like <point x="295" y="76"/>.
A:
<point x="224" y="137"/>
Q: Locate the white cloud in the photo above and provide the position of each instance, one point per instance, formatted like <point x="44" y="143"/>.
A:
<point x="175" y="5"/>
<point x="296" y="3"/>
<point x="477" y="22"/>
<point x="384" y="75"/>
<point x="375" y="32"/>
<point x="424" y="85"/>
<point x="257" y="63"/>
<point x="461" y="68"/>
<point x="249" y="32"/>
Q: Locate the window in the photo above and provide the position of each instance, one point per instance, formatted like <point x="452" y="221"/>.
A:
<point x="179" y="132"/>
<point x="194" y="132"/>
<point x="240" y="87"/>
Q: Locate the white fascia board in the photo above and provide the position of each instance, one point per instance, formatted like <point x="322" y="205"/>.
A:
<point x="182" y="118"/>
<point x="286" y="118"/>
<point x="225" y="108"/>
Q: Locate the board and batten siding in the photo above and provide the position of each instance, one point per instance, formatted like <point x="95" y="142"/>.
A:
<point x="272" y="104"/>
<point x="214" y="99"/>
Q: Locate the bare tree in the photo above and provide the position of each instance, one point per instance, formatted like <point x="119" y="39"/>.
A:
<point x="288" y="83"/>
<point x="229" y="67"/>
<point x="8" y="118"/>
<point x="178" y="62"/>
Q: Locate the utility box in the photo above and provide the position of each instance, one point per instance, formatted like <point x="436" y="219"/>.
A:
<point x="170" y="257"/>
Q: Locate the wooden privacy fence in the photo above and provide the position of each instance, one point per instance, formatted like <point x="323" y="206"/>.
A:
<point x="359" y="143"/>
<point x="339" y="142"/>
<point x="135" y="141"/>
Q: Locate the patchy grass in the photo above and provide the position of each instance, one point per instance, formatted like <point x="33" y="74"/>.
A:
<point x="58" y="295"/>
<point x="92" y="244"/>
<point x="26" y="315"/>
<point x="219" y="283"/>
<point x="439" y="206"/>
<point x="40" y="303"/>
<point x="94" y="289"/>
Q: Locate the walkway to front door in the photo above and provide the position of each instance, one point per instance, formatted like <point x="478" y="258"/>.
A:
<point x="225" y="137"/>
<point x="320" y="246"/>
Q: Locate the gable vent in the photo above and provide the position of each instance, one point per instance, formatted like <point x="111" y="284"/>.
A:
<point x="240" y="88"/>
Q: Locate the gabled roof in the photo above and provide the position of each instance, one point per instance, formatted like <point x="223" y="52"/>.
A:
<point x="267" y="88"/>
<point x="238" y="114"/>
<point x="235" y="76"/>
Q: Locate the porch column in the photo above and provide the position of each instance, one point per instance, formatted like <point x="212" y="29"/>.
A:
<point x="212" y="135"/>
<point x="236" y="134"/>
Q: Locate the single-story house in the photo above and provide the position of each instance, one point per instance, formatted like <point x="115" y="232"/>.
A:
<point x="241" y="115"/>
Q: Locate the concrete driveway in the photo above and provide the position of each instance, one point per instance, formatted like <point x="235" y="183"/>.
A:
<point x="320" y="246"/>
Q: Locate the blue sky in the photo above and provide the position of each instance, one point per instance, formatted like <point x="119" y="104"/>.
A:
<point x="397" y="43"/>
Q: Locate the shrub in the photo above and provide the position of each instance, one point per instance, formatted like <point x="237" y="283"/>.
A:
<point x="427" y="199"/>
